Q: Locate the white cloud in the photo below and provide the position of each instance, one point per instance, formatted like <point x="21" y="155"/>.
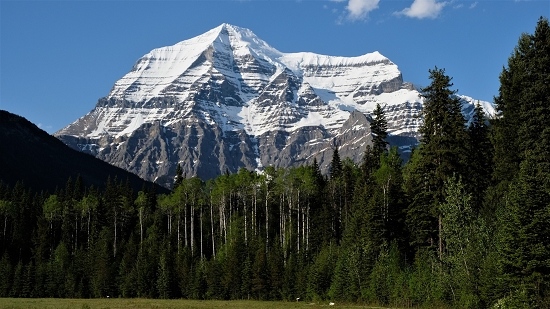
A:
<point x="423" y="9"/>
<point x="358" y="9"/>
<point x="473" y="5"/>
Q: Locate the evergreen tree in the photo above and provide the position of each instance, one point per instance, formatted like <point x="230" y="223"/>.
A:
<point x="17" y="281"/>
<point x="440" y="155"/>
<point x="213" y="276"/>
<point x="275" y="264"/>
<point x="321" y="272"/>
<point x="127" y="271"/>
<point x="6" y="276"/>
<point x="335" y="165"/>
<point x="523" y="103"/>
<point x="164" y="277"/>
<point x="521" y="139"/>
<point x="524" y="244"/>
<point x="259" y="282"/>
<point x="101" y="271"/>
<point x="342" y="284"/>
<point x="178" y="178"/>
<point x="379" y="127"/>
<point x="28" y="281"/>
<point x="246" y="278"/>
<point x="336" y="194"/>
<point x="479" y="156"/>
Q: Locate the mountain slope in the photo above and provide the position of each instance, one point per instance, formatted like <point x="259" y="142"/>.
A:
<point x="43" y="162"/>
<point x="226" y="100"/>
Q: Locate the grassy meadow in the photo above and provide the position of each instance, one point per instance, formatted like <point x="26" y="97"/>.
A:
<point x="120" y="303"/>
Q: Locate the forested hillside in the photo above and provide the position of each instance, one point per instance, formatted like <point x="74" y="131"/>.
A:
<point x="465" y="223"/>
<point x="43" y="163"/>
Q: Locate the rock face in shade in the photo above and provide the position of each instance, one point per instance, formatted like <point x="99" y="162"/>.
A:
<point x="225" y="100"/>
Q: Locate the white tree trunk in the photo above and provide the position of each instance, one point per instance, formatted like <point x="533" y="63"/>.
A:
<point x="212" y="227"/>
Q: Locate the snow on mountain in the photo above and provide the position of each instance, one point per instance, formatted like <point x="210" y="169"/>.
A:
<point x="259" y="106"/>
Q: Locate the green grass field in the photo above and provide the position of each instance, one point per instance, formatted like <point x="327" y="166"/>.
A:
<point x="117" y="303"/>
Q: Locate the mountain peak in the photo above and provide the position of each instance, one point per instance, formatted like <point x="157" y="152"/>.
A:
<point x="227" y="99"/>
<point x="154" y="73"/>
<point x="230" y="27"/>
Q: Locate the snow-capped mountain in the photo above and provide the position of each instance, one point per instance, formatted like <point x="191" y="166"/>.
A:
<point x="226" y="100"/>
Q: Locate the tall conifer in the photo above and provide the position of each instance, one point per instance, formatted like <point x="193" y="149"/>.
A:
<point x="521" y="139"/>
<point x="479" y="156"/>
<point x="440" y="155"/>
<point x="379" y="128"/>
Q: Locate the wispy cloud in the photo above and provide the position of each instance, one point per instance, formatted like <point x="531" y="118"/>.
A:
<point x="359" y="9"/>
<point x="44" y="127"/>
<point x="473" y="5"/>
<point x="423" y="9"/>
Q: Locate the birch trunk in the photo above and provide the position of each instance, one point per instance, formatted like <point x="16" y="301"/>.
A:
<point x="266" y="221"/>
<point x="192" y="226"/>
<point x="179" y="230"/>
<point x="89" y="218"/>
<point x="298" y="221"/>
<point x="114" y="242"/>
<point x="185" y="225"/>
<point x="141" y="225"/>
<point x="245" y="223"/>
<point x="200" y="223"/>
<point x="212" y="226"/>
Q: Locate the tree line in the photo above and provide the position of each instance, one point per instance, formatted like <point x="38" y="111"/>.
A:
<point x="465" y="222"/>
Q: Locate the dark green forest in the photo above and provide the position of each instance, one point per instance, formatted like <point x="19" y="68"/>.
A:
<point x="464" y="223"/>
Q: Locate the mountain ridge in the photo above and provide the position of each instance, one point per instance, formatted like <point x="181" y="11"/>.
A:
<point x="44" y="163"/>
<point x="256" y="106"/>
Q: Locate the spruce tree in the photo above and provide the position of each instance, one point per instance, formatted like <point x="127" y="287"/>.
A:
<point x="379" y="127"/>
<point x="336" y="192"/>
<point x="440" y="155"/>
<point x="521" y="138"/>
<point x="369" y="163"/>
<point x="479" y="156"/>
<point x="335" y="165"/>
<point x="524" y="246"/>
<point x="523" y="103"/>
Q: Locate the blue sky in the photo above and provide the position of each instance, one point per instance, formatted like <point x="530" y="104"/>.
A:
<point x="57" y="58"/>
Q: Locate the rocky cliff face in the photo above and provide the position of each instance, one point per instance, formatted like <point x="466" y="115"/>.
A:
<point x="226" y="100"/>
